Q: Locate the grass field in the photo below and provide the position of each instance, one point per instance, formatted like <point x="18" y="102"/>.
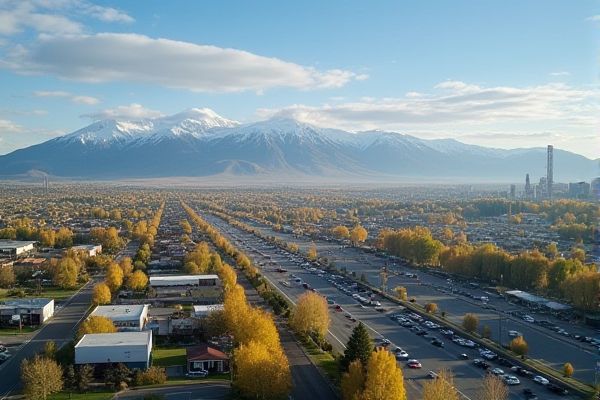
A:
<point x="82" y="396"/>
<point x="15" y="331"/>
<point x="322" y="359"/>
<point x="48" y="292"/>
<point x="168" y="357"/>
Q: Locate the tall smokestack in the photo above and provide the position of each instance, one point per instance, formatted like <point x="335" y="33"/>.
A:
<point x="550" y="170"/>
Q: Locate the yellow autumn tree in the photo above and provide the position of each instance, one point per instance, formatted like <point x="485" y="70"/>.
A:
<point x="440" y="388"/>
<point x="341" y="232"/>
<point x="311" y="315"/>
<point x="385" y="380"/>
<point x="353" y="381"/>
<point x="41" y="377"/>
<point x="114" y="277"/>
<point x="228" y="276"/>
<point x="126" y="266"/>
<point x="401" y="293"/>
<point x="96" y="324"/>
<point x="137" y="281"/>
<point x="101" y="294"/>
<point x="312" y="252"/>
<point x="358" y="234"/>
<point x="261" y="372"/>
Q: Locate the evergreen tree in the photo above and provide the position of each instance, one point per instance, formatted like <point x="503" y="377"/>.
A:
<point x="70" y="378"/>
<point x="359" y="347"/>
<point x="85" y="376"/>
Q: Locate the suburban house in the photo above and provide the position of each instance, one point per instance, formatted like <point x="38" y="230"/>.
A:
<point x="90" y="250"/>
<point x="130" y="317"/>
<point x="103" y="349"/>
<point x="206" y="358"/>
<point x="26" y="312"/>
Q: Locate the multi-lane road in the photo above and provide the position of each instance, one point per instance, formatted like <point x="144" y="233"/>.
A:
<point x="61" y="329"/>
<point x="467" y="376"/>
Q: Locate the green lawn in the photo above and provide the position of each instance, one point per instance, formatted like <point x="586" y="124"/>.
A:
<point x="168" y="357"/>
<point x="322" y="359"/>
<point x="82" y="396"/>
<point x="55" y="293"/>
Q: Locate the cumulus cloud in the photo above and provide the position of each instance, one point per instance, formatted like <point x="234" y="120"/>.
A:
<point x="87" y="100"/>
<point x="108" y="57"/>
<point x="131" y="111"/>
<point x="47" y="16"/>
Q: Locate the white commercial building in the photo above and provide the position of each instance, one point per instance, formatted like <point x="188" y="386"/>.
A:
<point x="125" y="317"/>
<point x="26" y="312"/>
<point x="16" y="247"/>
<point x="91" y="250"/>
<point x="202" y="311"/>
<point x="130" y="348"/>
<point x="183" y="280"/>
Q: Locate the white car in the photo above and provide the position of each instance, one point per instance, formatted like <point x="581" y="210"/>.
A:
<point x="541" y="380"/>
<point x="401" y="354"/>
<point x="511" y="380"/>
<point x="497" y="371"/>
<point x="529" y="319"/>
<point x="514" y="333"/>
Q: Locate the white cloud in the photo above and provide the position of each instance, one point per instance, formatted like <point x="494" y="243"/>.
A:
<point x="50" y="16"/>
<point x="594" y="18"/>
<point x="7" y="126"/>
<point x="560" y="73"/>
<point x="107" y="57"/>
<point x="88" y="100"/>
<point x="455" y="109"/>
<point x="131" y="111"/>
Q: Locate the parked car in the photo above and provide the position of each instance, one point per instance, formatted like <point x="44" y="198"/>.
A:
<point x="497" y="371"/>
<point x="557" y="389"/>
<point x="414" y="364"/>
<point x="437" y="342"/>
<point x="511" y="380"/>
<point x="432" y="375"/>
<point x="529" y="395"/>
<point x="541" y="380"/>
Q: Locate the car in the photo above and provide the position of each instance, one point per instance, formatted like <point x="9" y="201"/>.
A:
<point x="338" y="308"/>
<point x="497" y="371"/>
<point x="414" y="364"/>
<point x="432" y="375"/>
<point x="557" y="389"/>
<point x="463" y="356"/>
<point x="437" y="342"/>
<point x="197" y="374"/>
<point x="541" y="380"/>
<point x="529" y="395"/>
<point x="402" y="355"/>
<point x="514" y="333"/>
<point x="504" y="362"/>
<point x="528" y="318"/>
<point x="511" y="380"/>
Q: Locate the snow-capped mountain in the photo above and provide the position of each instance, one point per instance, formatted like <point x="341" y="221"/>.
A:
<point x="199" y="142"/>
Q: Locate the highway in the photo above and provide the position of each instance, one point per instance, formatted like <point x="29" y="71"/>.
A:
<point x="467" y="376"/>
<point x="61" y="329"/>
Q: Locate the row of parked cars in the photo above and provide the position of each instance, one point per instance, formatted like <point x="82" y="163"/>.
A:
<point x="4" y="354"/>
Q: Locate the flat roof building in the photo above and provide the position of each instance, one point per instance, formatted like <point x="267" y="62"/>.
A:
<point x="91" y="250"/>
<point x="28" y="312"/>
<point x="125" y="317"/>
<point x="202" y="311"/>
<point x="184" y="280"/>
<point x="16" y="247"/>
<point x="130" y="348"/>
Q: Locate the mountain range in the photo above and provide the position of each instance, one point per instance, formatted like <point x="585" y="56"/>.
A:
<point x="200" y="143"/>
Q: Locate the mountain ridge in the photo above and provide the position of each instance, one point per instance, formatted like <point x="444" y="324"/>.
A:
<point x="200" y="143"/>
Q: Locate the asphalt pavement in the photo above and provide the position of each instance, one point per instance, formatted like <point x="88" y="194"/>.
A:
<point x="214" y="390"/>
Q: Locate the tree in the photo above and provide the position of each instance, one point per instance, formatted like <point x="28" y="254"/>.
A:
<point x="66" y="273"/>
<point x="185" y="225"/>
<point x="7" y="276"/>
<point x="114" y="277"/>
<point x="311" y="315"/>
<point x="341" y="232"/>
<point x="486" y="331"/>
<point x="70" y="378"/>
<point x="261" y="372"/>
<point x="552" y="250"/>
<point x="214" y="324"/>
<point x="470" y="322"/>
<point x="137" y="281"/>
<point x="401" y="293"/>
<point x="358" y="234"/>
<point x="50" y="349"/>
<point x="385" y="380"/>
<point x="312" y="252"/>
<point x="359" y="347"/>
<point x="85" y="376"/>
<point x="519" y="346"/>
<point x="577" y="253"/>
<point x="493" y="388"/>
<point x="101" y="294"/>
<point x="568" y="370"/>
<point x="152" y="376"/>
<point x="126" y="266"/>
<point x="353" y="381"/>
<point x="41" y="377"/>
<point x="96" y="324"/>
<point x="431" y="308"/>
<point x="440" y="388"/>
<point x="117" y="376"/>
<point x="64" y="238"/>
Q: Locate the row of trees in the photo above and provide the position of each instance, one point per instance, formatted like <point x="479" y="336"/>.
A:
<point x="415" y="244"/>
<point x="23" y="229"/>
<point x="357" y="235"/>
<point x="117" y="275"/>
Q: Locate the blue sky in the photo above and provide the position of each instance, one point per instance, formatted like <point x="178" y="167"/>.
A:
<point x="495" y="73"/>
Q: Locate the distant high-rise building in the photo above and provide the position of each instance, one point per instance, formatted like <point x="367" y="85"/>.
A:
<point x="550" y="171"/>
<point x="528" y="190"/>
<point x="595" y="187"/>
<point x="579" y="190"/>
<point x="513" y="191"/>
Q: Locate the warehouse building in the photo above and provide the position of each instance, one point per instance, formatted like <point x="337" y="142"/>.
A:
<point x="91" y="250"/>
<point x="203" y="311"/>
<point x="183" y="280"/>
<point x="185" y="289"/>
<point x="103" y="349"/>
<point x="125" y="317"/>
<point x="26" y="312"/>
<point x="15" y="248"/>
